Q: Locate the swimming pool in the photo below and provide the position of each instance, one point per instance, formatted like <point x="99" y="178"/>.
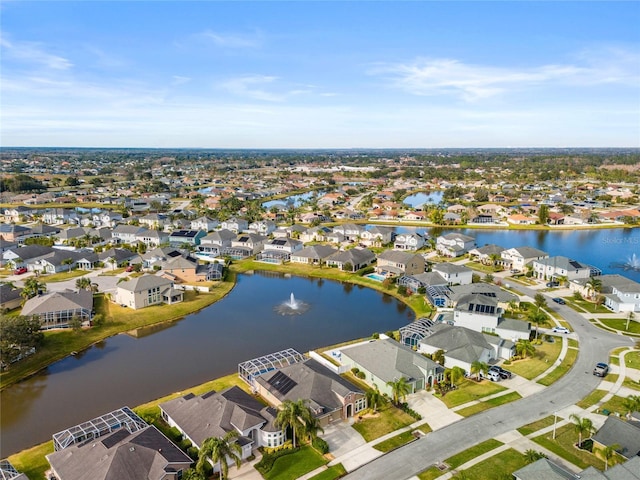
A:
<point x="376" y="277"/>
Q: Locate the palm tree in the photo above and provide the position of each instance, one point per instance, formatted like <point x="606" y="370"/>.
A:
<point x="538" y="317"/>
<point x="524" y="348"/>
<point x="218" y="449"/>
<point x="374" y="398"/>
<point x="594" y="285"/>
<point x="456" y="374"/>
<point x="540" y="301"/>
<point x="533" y="455"/>
<point x="32" y="287"/>
<point x="478" y="368"/>
<point x="292" y="415"/>
<point x="582" y="426"/>
<point x="83" y="283"/>
<point x="312" y="427"/>
<point x="67" y="261"/>
<point x="631" y="403"/>
<point x="399" y="389"/>
<point x="608" y="453"/>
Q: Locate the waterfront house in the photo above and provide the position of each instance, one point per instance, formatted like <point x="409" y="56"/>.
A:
<point x="487" y="254"/>
<point x="519" y="257"/>
<point x="56" y="309"/>
<point x="454" y="244"/>
<point x="145" y="291"/>
<point x="352" y="260"/>
<point x="313" y="254"/>
<point x="350" y="231"/>
<point x="377" y="236"/>
<point x="385" y="360"/>
<point x="216" y="241"/>
<point x="214" y="414"/>
<point x="409" y="241"/>
<point x="454" y="274"/>
<point x="330" y="397"/>
<point x="559" y="267"/>
<point x="392" y="263"/>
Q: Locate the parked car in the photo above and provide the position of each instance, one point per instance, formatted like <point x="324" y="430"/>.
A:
<point x="553" y="284"/>
<point x="514" y="271"/>
<point x="129" y="268"/>
<point x="20" y="271"/>
<point x="494" y="376"/>
<point x="601" y="369"/>
<point x="504" y="374"/>
<point x="559" y="301"/>
<point x="560" y="330"/>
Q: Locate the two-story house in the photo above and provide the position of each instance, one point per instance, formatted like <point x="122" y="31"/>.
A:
<point x="454" y="244"/>
<point x="145" y="291"/>
<point x="393" y="263"/>
<point x="377" y="236"/>
<point x="559" y="267"/>
<point x="262" y="227"/>
<point x="235" y="224"/>
<point x="454" y="274"/>
<point x="204" y="223"/>
<point x="518" y="258"/>
<point x="409" y="241"/>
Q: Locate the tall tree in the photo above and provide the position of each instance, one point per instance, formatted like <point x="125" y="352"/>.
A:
<point x="595" y="286"/>
<point x="32" y="287"/>
<point x="608" y="453"/>
<point x="582" y="426"/>
<point x="478" y="368"/>
<point x="540" y="301"/>
<point x="218" y="449"/>
<point x="456" y="374"/>
<point x="400" y="388"/>
<point x="543" y="214"/>
<point x="18" y="335"/>
<point x="374" y="397"/>
<point x="524" y="348"/>
<point x="83" y="283"/>
<point x="292" y="415"/>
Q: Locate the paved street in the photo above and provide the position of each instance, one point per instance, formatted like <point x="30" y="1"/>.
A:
<point x="595" y="345"/>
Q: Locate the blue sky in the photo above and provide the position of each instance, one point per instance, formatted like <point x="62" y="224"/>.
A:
<point x="320" y="74"/>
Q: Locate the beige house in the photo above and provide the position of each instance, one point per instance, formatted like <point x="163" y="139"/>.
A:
<point x="145" y="291"/>
<point x="393" y="263"/>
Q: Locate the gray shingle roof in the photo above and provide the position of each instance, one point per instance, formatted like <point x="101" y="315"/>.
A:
<point x="58" y="301"/>
<point x="317" y="252"/>
<point x="625" y="434"/>
<point x="450" y="268"/>
<point x="388" y="360"/>
<point x="145" y="282"/>
<point x="483" y="288"/>
<point x="354" y="256"/>
<point x="543" y="469"/>
<point x="214" y="414"/>
<point x="398" y="256"/>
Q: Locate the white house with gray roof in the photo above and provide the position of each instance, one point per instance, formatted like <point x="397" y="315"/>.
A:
<point x="519" y="257"/>
<point x="552" y="268"/>
<point x="313" y="254"/>
<point x="409" y="241"/>
<point x="454" y="274"/>
<point x="357" y="258"/>
<point x="393" y="263"/>
<point x="385" y="360"/>
<point x="214" y="414"/>
<point x="482" y="313"/>
<point x="454" y="244"/>
<point x="145" y="291"/>
<point x="56" y="309"/>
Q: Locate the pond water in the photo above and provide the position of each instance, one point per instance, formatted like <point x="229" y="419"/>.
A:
<point x="125" y="370"/>
<point x="295" y="200"/>
<point x="418" y="199"/>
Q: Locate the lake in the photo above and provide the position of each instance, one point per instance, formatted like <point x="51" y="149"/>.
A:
<point x="295" y="200"/>
<point x="420" y="198"/>
<point x="124" y="370"/>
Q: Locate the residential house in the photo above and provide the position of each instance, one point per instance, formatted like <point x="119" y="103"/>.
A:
<point x="59" y="216"/>
<point x="127" y="233"/>
<point x="156" y="257"/>
<point x="204" y="223"/>
<point x="152" y="238"/>
<point x="519" y="257"/>
<point x="14" y="233"/>
<point x="56" y="309"/>
<point x="454" y="274"/>
<point x="145" y="291"/>
<point x="106" y="218"/>
<point x="235" y="224"/>
<point x="622" y="296"/>
<point x="288" y="245"/>
<point x="520" y="219"/>
<point x="294" y="230"/>
<point x="454" y="244"/>
<point x="623" y="433"/>
<point x="262" y="227"/>
<point x="117" y="445"/>
<point x="315" y="234"/>
<point x="385" y="360"/>
<point x="482" y="313"/>
<point x="487" y="254"/>
<point x="377" y="236"/>
<point x="10" y="297"/>
<point x="186" y="238"/>
<point x="504" y="298"/>
<point x="19" y="256"/>
<point x="351" y="231"/>
<point x="313" y="254"/>
<point x="186" y="269"/>
<point x="330" y="397"/>
<point x="154" y="221"/>
<point x="251" y="242"/>
<point x="415" y="216"/>
<point x="549" y="470"/>
<point x="352" y="260"/>
<point x="17" y="214"/>
<point x="116" y="257"/>
<point x="463" y="346"/>
<point x="8" y="472"/>
<point x="436" y="287"/>
<point x="215" y="242"/>
<point x="63" y="260"/>
<point x="409" y="241"/>
<point x="559" y="267"/>
<point x="5" y="246"/>
<point x="215" y="414"/>
<point x="392" y="263"/>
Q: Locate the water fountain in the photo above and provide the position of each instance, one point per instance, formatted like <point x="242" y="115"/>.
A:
<point x="292" y="307"/>
<point x="633" y="262"/>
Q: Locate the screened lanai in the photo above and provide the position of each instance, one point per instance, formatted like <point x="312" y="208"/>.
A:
<point x="410" y="335"/>
<point x="121" y="418"/>
<point x="7" y="471"/>
<point x="251" y="369"/>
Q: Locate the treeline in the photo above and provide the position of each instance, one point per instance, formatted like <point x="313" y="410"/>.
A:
<point x="20" y="183"/>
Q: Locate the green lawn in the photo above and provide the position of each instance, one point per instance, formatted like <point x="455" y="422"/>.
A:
<point x="501" y="465"/>
<point x="632" y="359"/>
<point x="59" y="343"/>
<point x="590" y="306"/>
<point x="486" y="405"/>
<point x="32" y="462"/>
<point x="531" y="367"/>
<point x="529" y="428"/>
<point x="563" y="446"/>
<point x="473" y="452"/>
<point x="295" y="465"/>
<point x="631" y="384"/>
<point x="573" y="343"/>
<point x="561" y="369"/>
<point x="62" y="276"/>
<point x="431" y="473"/>
<point x="388" y="419"/>
<point x="620" y="324"/>
<point x="425" y="428"/>
<point x="591" y="399"/>
<point x="470" y="390"/>
<point x="614" y="405"/>
<point x="331" y="473"/>
<point x="395" y="442"/>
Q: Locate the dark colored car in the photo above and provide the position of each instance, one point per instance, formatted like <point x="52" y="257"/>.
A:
<point x="504" y="374"/>
<point x="559" y="301"/>
<point x="553" y="284"/>
<point x="20" y="271"/>
<point x="601" y="370"/>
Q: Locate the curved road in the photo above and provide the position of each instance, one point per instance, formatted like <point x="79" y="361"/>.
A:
<point x="595" y="345"/>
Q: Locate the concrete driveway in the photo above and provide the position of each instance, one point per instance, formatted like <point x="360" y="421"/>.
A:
<point x="342" y="438"/>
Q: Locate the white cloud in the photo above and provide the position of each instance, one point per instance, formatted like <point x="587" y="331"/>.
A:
<point x="250" y="86"/>
<point x="179" y="80"/>
<point x="230" y="40"/>
<point x="473" y="82"/>
<point x="32" y="52"/>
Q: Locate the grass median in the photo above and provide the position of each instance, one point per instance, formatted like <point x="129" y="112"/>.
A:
<point x="487" y="404"/>
<point x="561" y="369"/>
